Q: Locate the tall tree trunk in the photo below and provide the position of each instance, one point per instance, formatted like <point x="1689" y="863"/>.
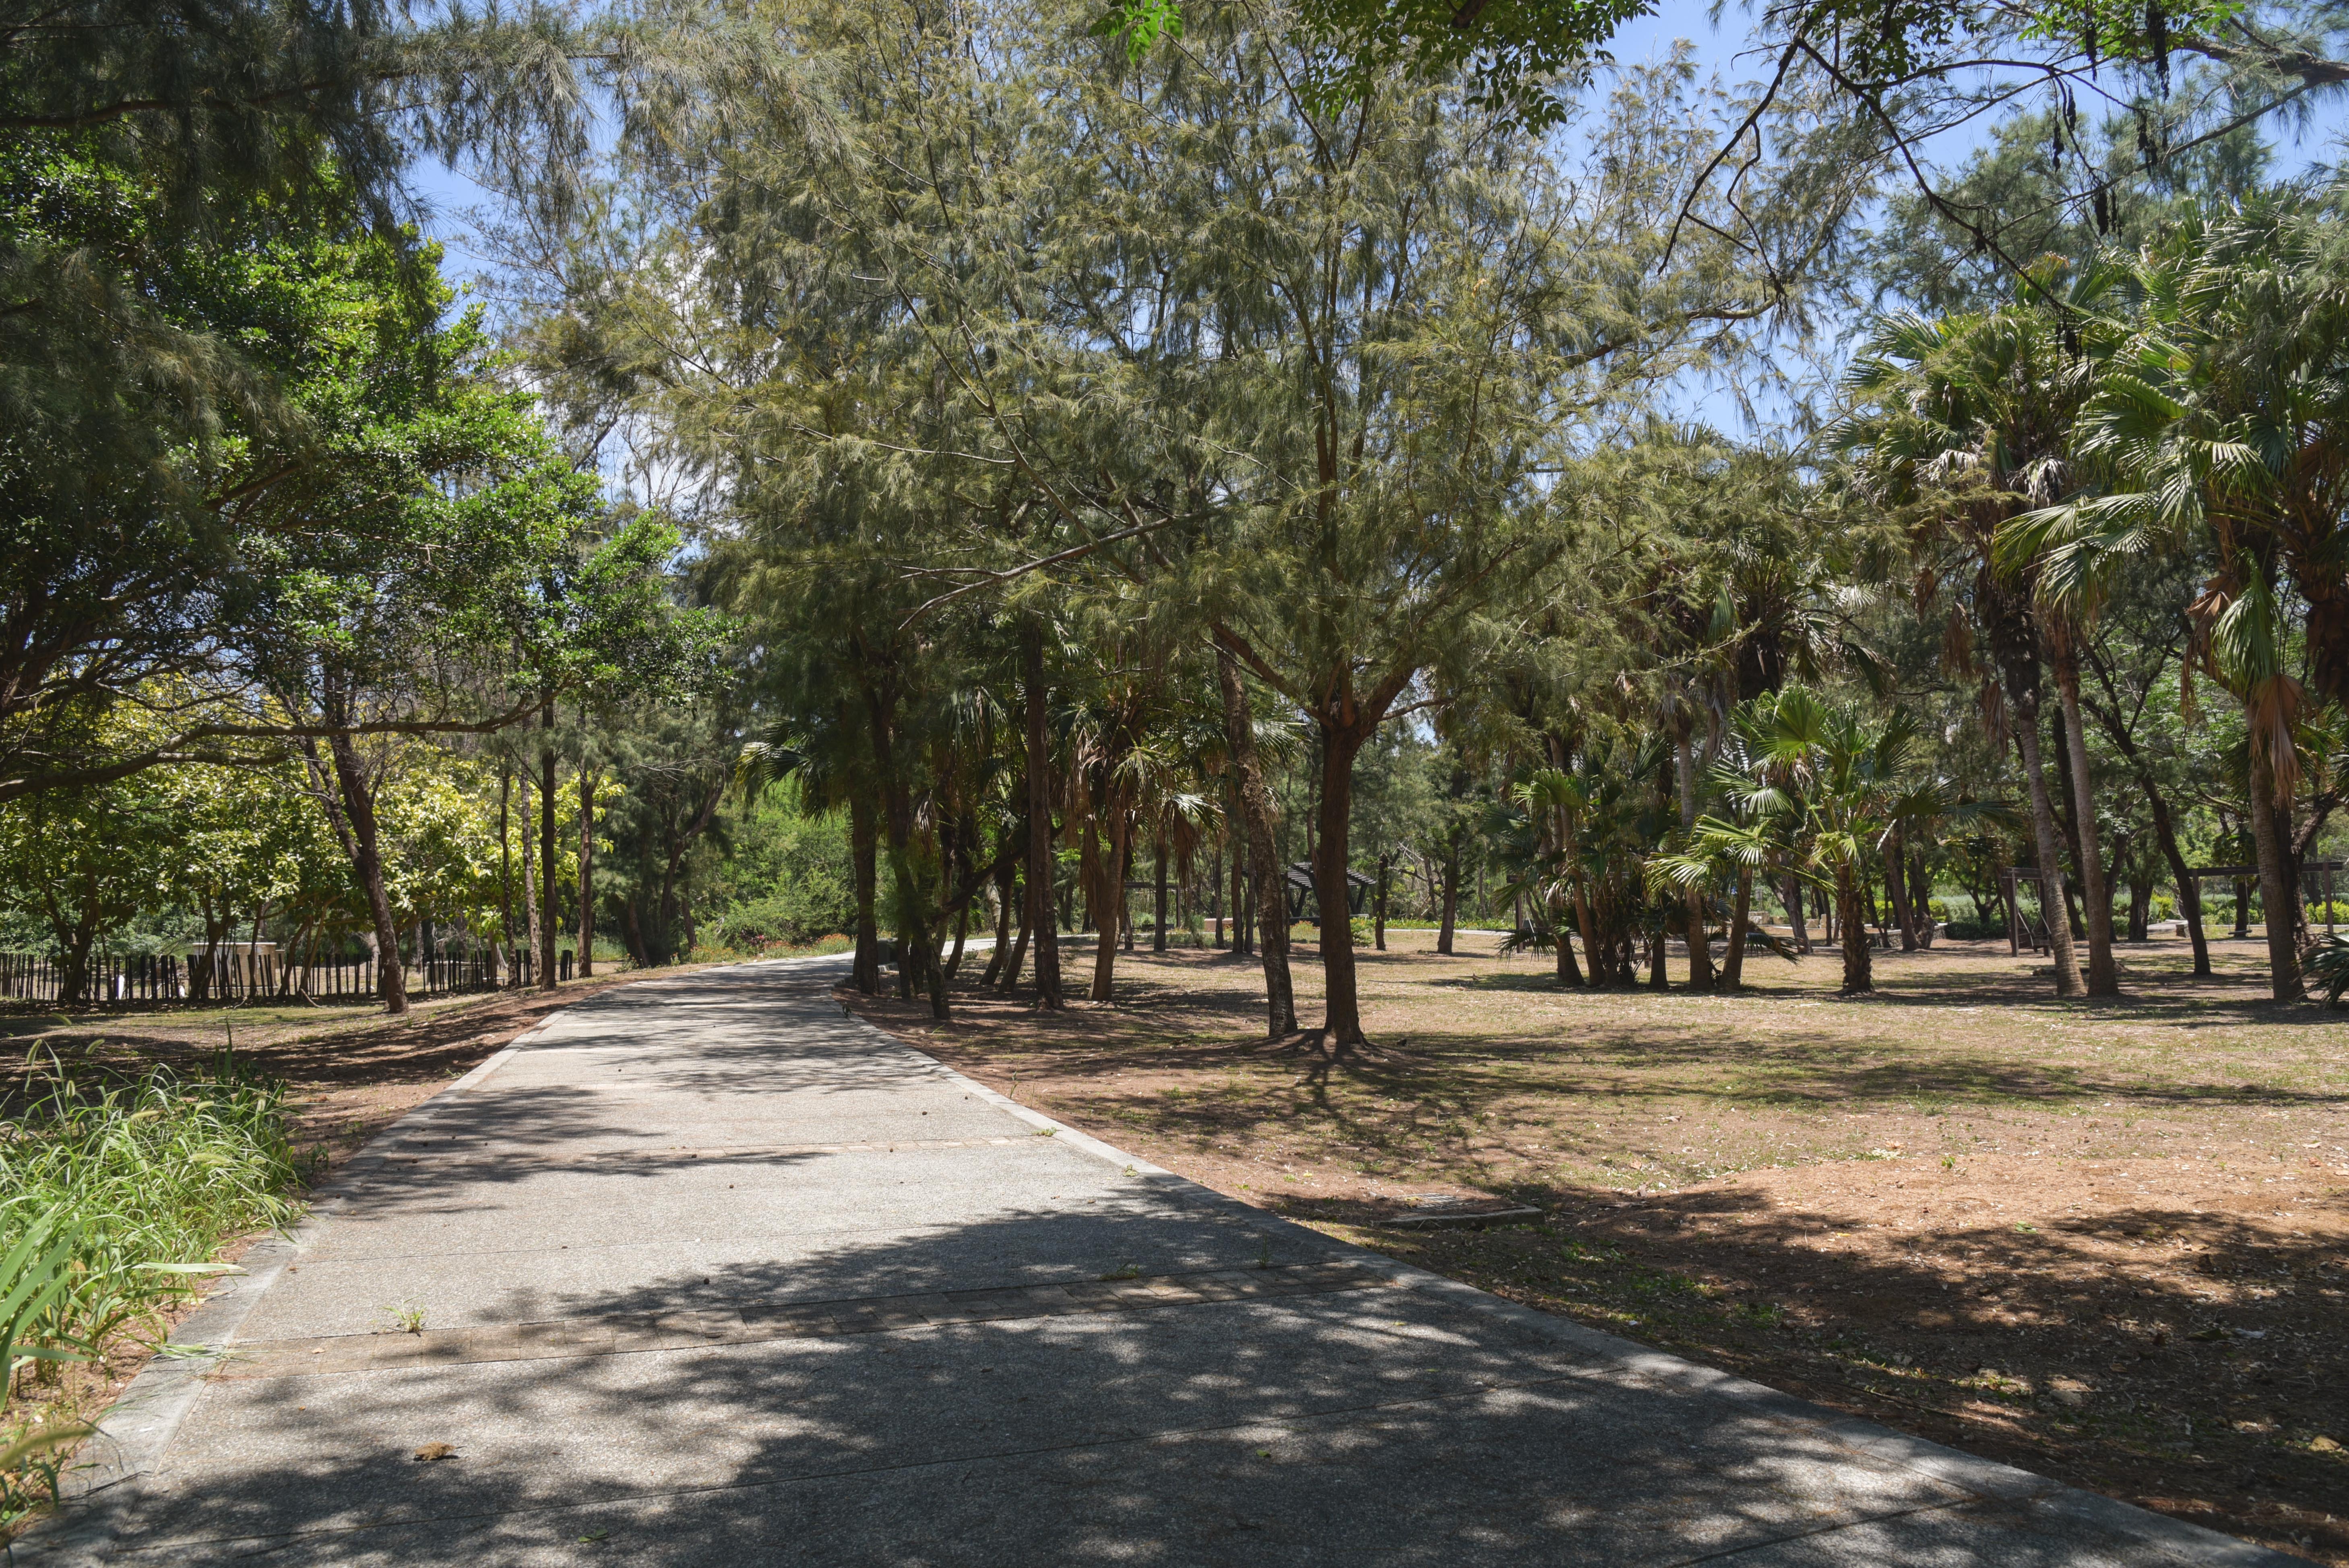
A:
<point x="1451" y="895"/>
<point x="1896" y="887"/>
<point x="2005" y="609"/>
<point x="2279" y="891"/>
<point x="1267" y="896"/>
<point x="1379" y="909"/>
<point x="1042" y="923"/>
<point x="1342" y="1003"/>
<point x="530" y="904"/>
<point x="2096" y="892"/>
<point x="1801" y="928"/>
<point x="366" y="860"/>
<point x="1733" y="962"/>
<point x="1124" y="890"/>
<point x="1007" y="874"/>
<point x="1699" y="946"/>
<point x="1108" y="908"/>
<point x="1158" y="931"/>
<point x="587" y="869"/>
<point x="505" y="872"/>
<point x="1010" y="976"/>
<point x="1921" y="899"/>
<point x="919" y="971"/>
<point x="864" y="850"/>
<point x="546" y="843"/>
<point x="2054" y="907"/>
<point x="1215" y="892"/>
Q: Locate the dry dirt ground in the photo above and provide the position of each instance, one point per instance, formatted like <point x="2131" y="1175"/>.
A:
<point x="2103" y="1241"/>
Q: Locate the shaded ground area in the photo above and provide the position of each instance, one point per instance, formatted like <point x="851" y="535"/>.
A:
<point x="2101" y="1241"/>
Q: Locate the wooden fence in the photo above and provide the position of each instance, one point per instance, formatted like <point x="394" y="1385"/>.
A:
<point x="243" y="974"/>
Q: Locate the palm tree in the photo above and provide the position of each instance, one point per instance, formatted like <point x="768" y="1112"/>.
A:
<point x="2221" y="421"/>
<point x="1967" y="420"/>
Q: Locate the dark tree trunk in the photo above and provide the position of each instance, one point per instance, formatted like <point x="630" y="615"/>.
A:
<point x="1266" y="898"/>
<point x="546" y="882"/>
<point x="1007" y="874"/>
<point x="1859" y="955"/>
<point x="2279" y="891"/>
<point x="505" y="869"/>
<point x="863" y="840"/>
<point x="1042" y="926"/>
<point x="1215" y="892"/>
<point x="586" y="871"/>
<point x="1379" y="909"/>
<point x="2018" y="666"/>
<point x="366" y="860"/>
<point x="1452" y="896"/>
<point x="1108" y="908"/>
<point x="1733" y="962"/>
<point x="1158" y="930"/>
<point x="1342" y="1017"/>
<point x="1802" y="931"/>
<point x="1896" y="887"/>
<point x="2103" y="973"/>
<point x="1699" y="946"/>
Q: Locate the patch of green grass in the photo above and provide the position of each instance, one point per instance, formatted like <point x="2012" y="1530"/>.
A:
<point x="145" y="1180"/>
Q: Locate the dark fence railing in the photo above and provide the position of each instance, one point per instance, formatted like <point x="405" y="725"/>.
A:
<point x="243" y="974"/>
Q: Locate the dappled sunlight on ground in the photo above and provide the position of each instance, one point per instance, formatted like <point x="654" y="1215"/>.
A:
<point x="2100" y="1240"/>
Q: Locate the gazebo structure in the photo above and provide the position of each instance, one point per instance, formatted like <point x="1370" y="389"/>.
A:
<point x="1300" y="892"/>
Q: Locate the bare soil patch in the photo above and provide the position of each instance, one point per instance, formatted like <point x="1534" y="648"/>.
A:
<point x="2101" y="1241"/>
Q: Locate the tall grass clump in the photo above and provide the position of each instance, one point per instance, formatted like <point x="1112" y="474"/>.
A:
<point x="113" y="1201"/>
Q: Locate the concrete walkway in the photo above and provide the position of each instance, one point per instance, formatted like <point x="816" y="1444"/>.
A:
<point x="709" y="1273"/>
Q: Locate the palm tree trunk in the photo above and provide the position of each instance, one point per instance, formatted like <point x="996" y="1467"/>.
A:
<point x="1858" y="957"/>
<point x="2104" y="974"/>
<point x="2048" y="845"/>
<point x="1896" y="887"/>
<point x="2278" y="889"/>
<point x="1733" y="962"/>
<point x="1700" y="947"/>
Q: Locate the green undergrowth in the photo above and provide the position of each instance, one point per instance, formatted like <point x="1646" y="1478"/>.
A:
<point x="114" y="1198"/>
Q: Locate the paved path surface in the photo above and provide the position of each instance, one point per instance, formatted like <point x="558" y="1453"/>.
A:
<point x="711" y="1274"/>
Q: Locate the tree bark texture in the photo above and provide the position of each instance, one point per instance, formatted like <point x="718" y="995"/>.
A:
<point x="1267" y="895"/>
<point x="546" y="784"/>
<point x="2278" y="888"/>
<point x="1042" y="923"/>
<point x="2103" y="973"/>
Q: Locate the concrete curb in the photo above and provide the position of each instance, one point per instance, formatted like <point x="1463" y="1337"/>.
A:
<point x="2003" y="1485"/>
